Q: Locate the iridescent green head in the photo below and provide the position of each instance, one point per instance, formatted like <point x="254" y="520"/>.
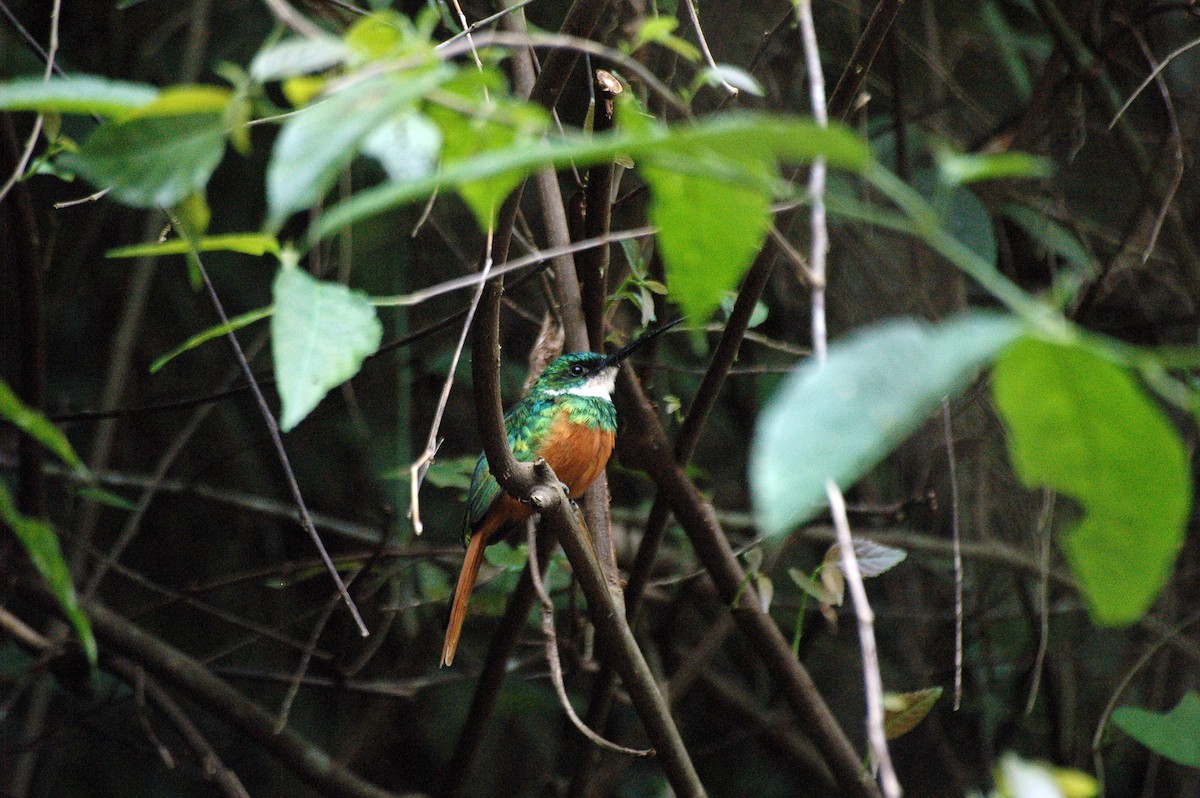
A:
<point x="589" y="373"/>
<point x="578" y="374"/>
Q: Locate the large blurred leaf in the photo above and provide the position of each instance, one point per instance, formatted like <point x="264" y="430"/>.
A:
<point x="293" y="57"/>
<point x="36" y="426"/>
<point x="1174" y="734"/>
<point x="746" y="135"/>
<point x="839" y="420"/>
<point x="708" y="228"/>
<point x="80" y="94"/>
<point x="152" y="161"/>
<point x="407" y="147"/>
<point x="319" y="141"/>
<point x="320" y="334"/>
<point x="497" y="125"/>
<point x="1080" y="425"/>
<point x="41" y="544"/>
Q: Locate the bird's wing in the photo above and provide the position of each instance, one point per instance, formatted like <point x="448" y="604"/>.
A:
<point x="526" y="424"/>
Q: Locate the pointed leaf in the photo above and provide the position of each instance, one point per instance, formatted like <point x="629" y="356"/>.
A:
<point x="236" y="323"/>
<point x="37" y="426"/>
<point x="1174" y="734"/>
<point x="813" y="588"/>
<point x="876" y="558"/>
<point x="1080" y="425"/>
<point x="960" y="168"/>
<point x="320" y="334"/>
<point x="292" y="57"/>
<point x="40" y="542"/>
<point x="765" y="136"/>
<point x="903" y="711"/>
<point x="152" y="161"/>
<point x="839" y="420"/>
<point x="246" y="243"/>
<point x="79" y="94"/>
<point x="321" y="140"/>
<point x="709" y="229"/>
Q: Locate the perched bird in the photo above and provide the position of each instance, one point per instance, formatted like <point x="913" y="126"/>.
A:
<point x="567" y="419"/>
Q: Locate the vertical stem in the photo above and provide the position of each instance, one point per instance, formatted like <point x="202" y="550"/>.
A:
<point x="816" y="182"/>
<point x="866" y="636"/>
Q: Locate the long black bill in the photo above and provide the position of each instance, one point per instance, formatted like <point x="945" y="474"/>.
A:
<point x="628" y="349"/>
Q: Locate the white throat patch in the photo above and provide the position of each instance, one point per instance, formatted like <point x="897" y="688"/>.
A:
<point x="599" y="386"/>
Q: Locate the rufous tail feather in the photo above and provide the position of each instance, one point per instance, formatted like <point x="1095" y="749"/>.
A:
<point x="466" y="586"/>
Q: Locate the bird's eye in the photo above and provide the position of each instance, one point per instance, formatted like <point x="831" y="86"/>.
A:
<point x="577" y="370"/>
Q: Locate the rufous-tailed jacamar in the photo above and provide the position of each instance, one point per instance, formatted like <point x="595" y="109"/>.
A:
<point x="567" y="419"/>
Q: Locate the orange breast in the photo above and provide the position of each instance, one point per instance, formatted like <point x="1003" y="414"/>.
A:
<point x="577" y="453"/>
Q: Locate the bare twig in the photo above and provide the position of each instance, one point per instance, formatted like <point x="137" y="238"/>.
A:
<point x="1176" y="140"/>
<point x="421" y="465"/>
<point x="180" y="671"/>
<point x="1044" y="548"/>
<point x="552" y="660"/>
<point x="31" y="142"/>
<point x="708" y="57"/>
<point x="698" y="518"/>
<point x="1154" y="75"/>
<point x="466" y="26"/>
<point x="845" y="92"/>
<point x="538" y="256"/>
<point x="816" y="182"/>
<point x="956" y="537"/>
<point x="211" y="764"/>
<point x="866" y="636"/>
<point x="294" y="19"/>
<point x="285" y="706"/>
<point x="276" y="439"/>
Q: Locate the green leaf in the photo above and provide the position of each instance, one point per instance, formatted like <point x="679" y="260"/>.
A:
<point x="708" y="229"/>
<point x="961" y="214"/>
<point x="454" y="472"/>
<point x="41" y="544"/>
<point x="80" y="94"/>
<point x="321" y="140"/>
<point x="1174" y="735"/>
<point x="407" y="147"/>
<point x="236" y="323"/>
<point x="839" y="420"/>
<point x="768" y="136"/>
<point x="247" y="243"/>
<point x="106" y="497"/>
<point x="498" y="125"/>
<point x="960" y="168"/>
<point x="152" y="161"/>
<point x="320" y="334"/>
<point x="735" y="76"/>
<point x="661" y="31"/>
<point x="293" y="57"/>
<point x="36" y="426"/>
<point x="1080" y="425"/>
<point x="186" y="99"/>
